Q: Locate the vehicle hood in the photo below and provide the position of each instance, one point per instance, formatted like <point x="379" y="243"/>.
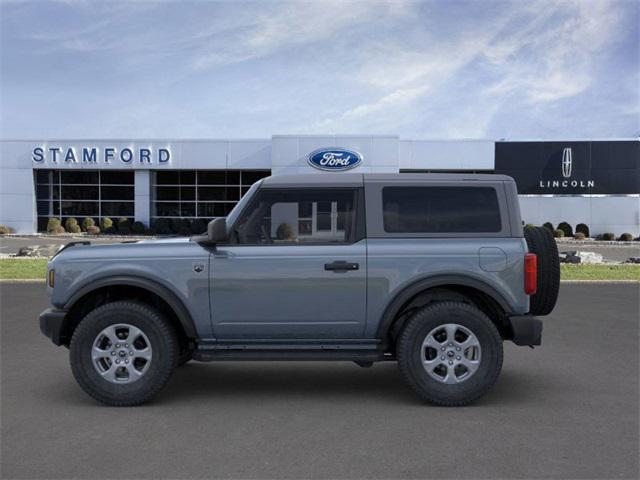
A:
<point x="124" y="250"/>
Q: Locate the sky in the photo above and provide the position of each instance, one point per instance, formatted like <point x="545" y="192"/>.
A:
<point x="420" y="70"/>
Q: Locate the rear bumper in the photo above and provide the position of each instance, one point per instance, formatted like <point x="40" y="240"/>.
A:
<point x="527" y="330"/>
<point x="52" y="324"/>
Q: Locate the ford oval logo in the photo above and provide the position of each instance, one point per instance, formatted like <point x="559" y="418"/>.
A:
<point x="334" y="159"/>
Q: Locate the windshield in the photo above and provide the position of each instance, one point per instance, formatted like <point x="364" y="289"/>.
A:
<point x="233" y="214"/>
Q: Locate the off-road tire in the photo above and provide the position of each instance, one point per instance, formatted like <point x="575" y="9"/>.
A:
<point x="163" y="343"/>
<point x="409" y="346"/>
<point x="541" y="242"/>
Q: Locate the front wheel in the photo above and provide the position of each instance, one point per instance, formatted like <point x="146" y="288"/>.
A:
<point x="123" y="353"/>
<point x="450" y="353"/>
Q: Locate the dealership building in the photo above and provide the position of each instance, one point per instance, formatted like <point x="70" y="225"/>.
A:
<point x="596" y="182"/>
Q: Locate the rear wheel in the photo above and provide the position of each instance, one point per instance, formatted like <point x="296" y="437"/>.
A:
<point x="541" y="242"/>
<point x="123" y="353"/>
<point x="450" y="353"/>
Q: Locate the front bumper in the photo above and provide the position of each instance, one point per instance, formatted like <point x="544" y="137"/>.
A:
<point x="52" y="324"/>
<point x="527" y="330"/>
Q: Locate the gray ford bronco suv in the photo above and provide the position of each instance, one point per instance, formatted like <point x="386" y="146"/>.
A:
<point x="433" y="271"/>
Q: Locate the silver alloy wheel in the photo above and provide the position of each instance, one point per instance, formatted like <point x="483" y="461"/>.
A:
<point x="121" y="353"/>
<point x="451" y="353"/>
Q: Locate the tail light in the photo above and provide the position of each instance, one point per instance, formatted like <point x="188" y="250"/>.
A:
<point x="530" y="273"/>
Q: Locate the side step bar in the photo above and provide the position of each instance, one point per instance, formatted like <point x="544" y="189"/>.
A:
<point x="211" y="355"/>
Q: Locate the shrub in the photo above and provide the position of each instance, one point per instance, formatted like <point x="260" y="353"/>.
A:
<point x="608" y="236"/>
<point x="626" y="237"/>
<point x="71" y="225"/>
<point x="285" y="232"/>
<point x="57" y="230"/>
<point x="124" y="226"/>
<point x="162" y="226"/>
<point x="529" y="225"/>
<point x="566" y="228"/>
<point x="198" y="226"/>
<point x="106" y="226"/>
<point x="88" y="222"/>
<point x="583" y="228"/>
<point x="138" y="228"/>
<point x="175" y="224"/>
<point x="558" y="233"/>
<point x="52" y="224"/>
<point x="548" y="225"/>
<point x="5" y="230"/>
<point x="579" y="236"/>
<point x="93" y="230"/>
<point x="184" y="227"/>
<point x="181" y="226"/>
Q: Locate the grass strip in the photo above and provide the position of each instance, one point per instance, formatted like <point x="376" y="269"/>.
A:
<point x="599" y="272"/>
<point x="19" y="269"/>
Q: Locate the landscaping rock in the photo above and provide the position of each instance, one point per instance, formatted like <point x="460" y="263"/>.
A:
<point x="32" y="251"/>
<point x="581" y="257"/>
<point x="569" y="257"/>
<point x="632" y="260"/>
<point x="38" y="250"/>
<point x="589" y="257"/>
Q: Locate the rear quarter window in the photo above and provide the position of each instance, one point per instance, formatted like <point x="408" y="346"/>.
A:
<point x="434" y="209"/>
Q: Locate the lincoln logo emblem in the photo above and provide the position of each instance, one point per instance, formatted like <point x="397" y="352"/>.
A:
<point x="567" y="160"/>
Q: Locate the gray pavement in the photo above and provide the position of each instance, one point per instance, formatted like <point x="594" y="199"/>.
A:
<point x="566" y="410"/>
<point x="610" y="252"/>
<point x="12" y="244"/>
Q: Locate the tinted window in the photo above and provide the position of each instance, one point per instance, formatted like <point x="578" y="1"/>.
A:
<point x="440" y="210"/>
<point x="117" y="178"/>
<point x="291" y="216"/>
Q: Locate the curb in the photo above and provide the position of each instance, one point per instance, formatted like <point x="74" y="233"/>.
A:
<point x="600" y="281"/>
<point x="22" y="280"/>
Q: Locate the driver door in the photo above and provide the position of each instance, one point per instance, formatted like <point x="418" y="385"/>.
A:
<point x="295" y="267"/>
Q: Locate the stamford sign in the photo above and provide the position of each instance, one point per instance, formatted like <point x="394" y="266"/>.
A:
<point x="95" y="155"/>
<point x="334" y="159"/>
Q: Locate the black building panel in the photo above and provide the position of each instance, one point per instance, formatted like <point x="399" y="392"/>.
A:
<point x="584" y="167"/>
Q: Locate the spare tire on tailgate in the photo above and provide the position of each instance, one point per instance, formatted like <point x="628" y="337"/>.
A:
<point x="541" y="242"/>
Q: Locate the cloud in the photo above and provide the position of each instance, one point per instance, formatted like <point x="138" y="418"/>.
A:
<point x="553" y="57"/>
<point x="394" y="101"/>
<point x="287" y="25"/>
<point x="541" y="53"/>
<point x="420" y="69"/>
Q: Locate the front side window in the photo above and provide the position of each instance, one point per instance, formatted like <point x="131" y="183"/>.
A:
<point x="298" y="217"/>
<point x="441" y="210"/>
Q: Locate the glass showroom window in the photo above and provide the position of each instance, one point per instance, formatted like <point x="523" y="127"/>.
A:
<point x="91" y="193"/>
<point x="201" y="194"/>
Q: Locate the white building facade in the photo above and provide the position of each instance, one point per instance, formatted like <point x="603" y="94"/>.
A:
<point x="592" y="182"/>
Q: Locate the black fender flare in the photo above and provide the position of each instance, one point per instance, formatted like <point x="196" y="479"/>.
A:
<point x="409" y="291"/>
<point x="183" y="315"/>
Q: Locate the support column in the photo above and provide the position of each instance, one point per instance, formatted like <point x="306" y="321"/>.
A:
<point x="142" y="189"/>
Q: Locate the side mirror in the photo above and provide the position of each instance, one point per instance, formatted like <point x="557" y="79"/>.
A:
<point x="217" y="230"/>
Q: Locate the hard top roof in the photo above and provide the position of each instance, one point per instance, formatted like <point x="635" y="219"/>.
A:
<point x="357" y="179"/>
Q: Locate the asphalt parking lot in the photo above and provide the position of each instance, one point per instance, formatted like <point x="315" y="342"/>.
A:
<point x="566" y="410"/>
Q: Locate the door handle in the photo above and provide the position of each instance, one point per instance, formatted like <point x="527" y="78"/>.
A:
<point x="341" y="266"/>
